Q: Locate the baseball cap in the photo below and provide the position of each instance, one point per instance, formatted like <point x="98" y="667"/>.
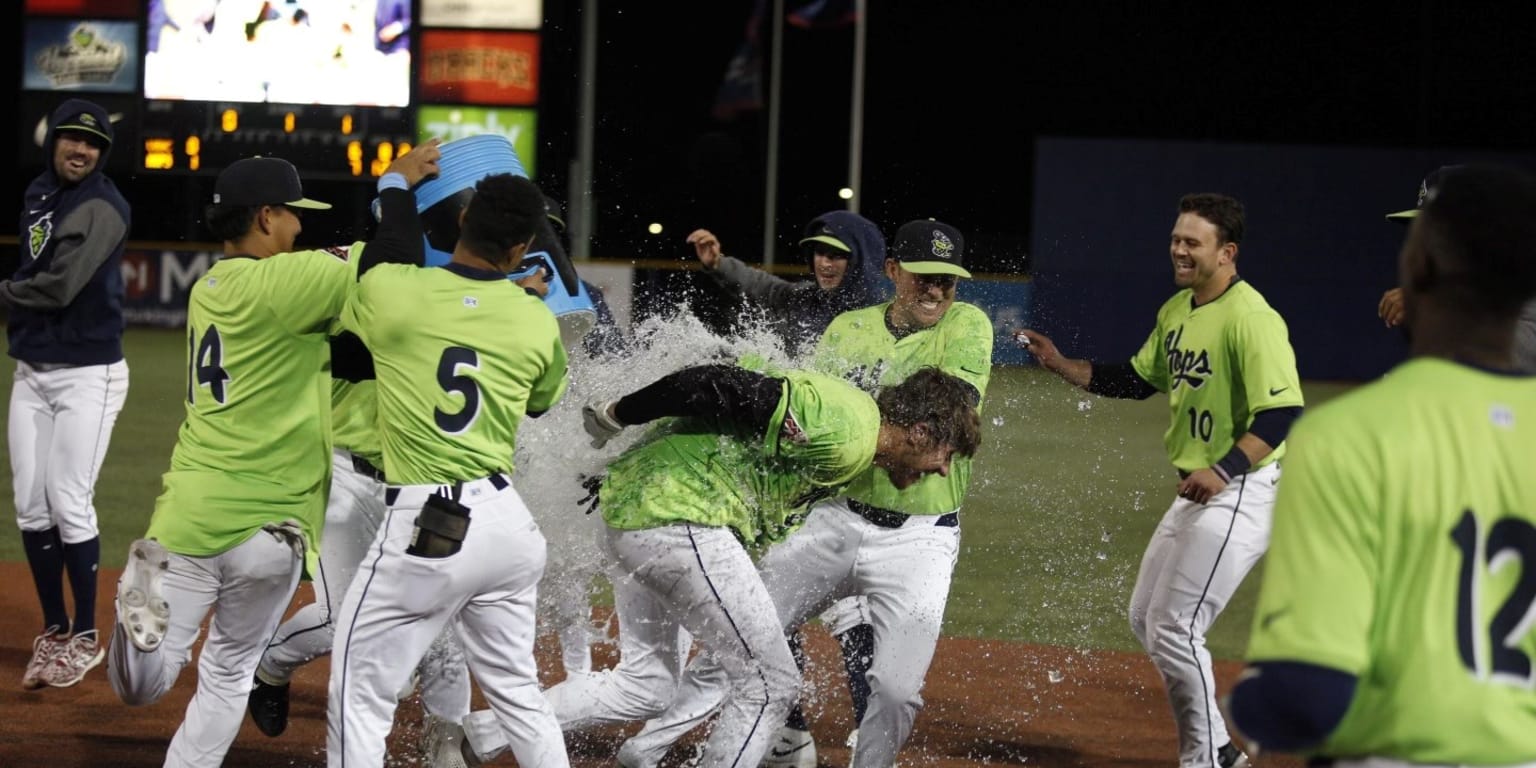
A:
<point x="262" y="181"/>
<point x="1427" y="189"/>
<point x="826" y="236"/>
<point x="929" y="247"/>
<point x="87" y="123"/>
<point x="555" y="212"/>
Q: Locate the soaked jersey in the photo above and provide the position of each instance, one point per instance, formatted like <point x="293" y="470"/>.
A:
<point x="460" y="356"/>
<point x="822" y="434"/>
<point x="859" y="347"/>
<point x="355" y="418"/>
<point x="255" y="446"/>
<point x="1404" y="553"/>
<point x="1220" y="363"/>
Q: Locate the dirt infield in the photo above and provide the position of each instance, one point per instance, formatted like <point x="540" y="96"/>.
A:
<point x="988" y="703"/>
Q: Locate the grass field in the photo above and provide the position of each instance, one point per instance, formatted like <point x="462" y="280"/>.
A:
<point x="1068" y="488"/>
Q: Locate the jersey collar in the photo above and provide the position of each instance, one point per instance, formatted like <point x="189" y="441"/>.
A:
<point x="472" y="273"/>
<point x="1193" y="306"/>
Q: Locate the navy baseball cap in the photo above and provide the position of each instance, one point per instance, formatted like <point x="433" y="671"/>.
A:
<point x="928" y="247"/>
<point x="825" y="236"/>
<point x="1427" y="189"/>
<point x="262" y="181"/>
<point x="87" y="123"/>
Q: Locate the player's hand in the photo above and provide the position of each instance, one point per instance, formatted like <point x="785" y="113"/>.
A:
<point x="538" y="282"/>
<point x="1039" y="345"/>
<point x="598" y="420"/>
<point x="1390" y="310"/>
<point x="706" y="246"/>
<point x="419" y="163"/>
<point x="1201" y="486"/>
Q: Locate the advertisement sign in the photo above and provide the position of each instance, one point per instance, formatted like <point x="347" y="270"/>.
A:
<point x="500" y="68"/>
<point x="158" y="283"/>
<point x="449" y="123"/>
<point x="483" y="14"/>
<point x="119" y="9"/>
<point x="81" y="55"/>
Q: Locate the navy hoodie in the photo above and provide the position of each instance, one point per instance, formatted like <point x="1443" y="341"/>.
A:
<point x="801" y="311"/>
<point x="66" y="299"/>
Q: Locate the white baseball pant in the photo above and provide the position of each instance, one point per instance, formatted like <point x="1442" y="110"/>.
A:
<point x="398" y="603"/>
<point x="1194" y="563"/>
<point x="353" y="512"/>
<point x="904" y="574"/>
<point x="702" y="579"/>
<point x="60" y="422"/>
<point x="247" y="588"/>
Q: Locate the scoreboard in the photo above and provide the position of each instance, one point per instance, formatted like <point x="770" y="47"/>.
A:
<point x="337" y="87"/>
<point x="324" y="141"/>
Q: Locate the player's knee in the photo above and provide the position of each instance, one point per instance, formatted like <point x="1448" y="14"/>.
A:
<point x="895" y="691"/>
<point x="1168" y="638"/>
<point x="645" y="692"/>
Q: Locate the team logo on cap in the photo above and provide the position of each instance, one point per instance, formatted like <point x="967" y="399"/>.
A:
<point x="943" y="247"/>
<point x="88" y="120"/>
<point x="1423" y="193"/>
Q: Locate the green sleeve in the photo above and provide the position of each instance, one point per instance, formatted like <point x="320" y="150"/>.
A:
<point x="308" y="289"/>
<point x="357" y="312"/>
<point x="1150" y="363"/>
<point x="551" y="386"/>
<point x="1318" y="596"/>
<point x="968" y="351"/>
<point x="1267" y="364"/>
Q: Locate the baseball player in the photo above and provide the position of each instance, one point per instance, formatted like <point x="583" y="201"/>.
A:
<point x="354" y="511"/>
<point x="1223" y="356"/>
<point x="245" y="494"/>
<point x="1390" y="308"/>
<point x="680" y="505"/>
<point x="1394" y="625"/>
<point x="65" y="328"/>
<point x="460" y="354"/>
<point x="895" y="547"/>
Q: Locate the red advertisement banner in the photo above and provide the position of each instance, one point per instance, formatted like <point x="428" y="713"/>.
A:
<point x="475" y="67"/>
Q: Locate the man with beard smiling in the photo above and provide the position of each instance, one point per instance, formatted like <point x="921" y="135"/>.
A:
<point x="1225" y="360"/>
<point x="888" y="543"/>
<point x="66" y="333"/>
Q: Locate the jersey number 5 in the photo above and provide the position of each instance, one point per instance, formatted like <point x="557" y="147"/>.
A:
<point x="450" y="378"/>
<point x="1509" y="539"/>
<point x="205" y="365"/>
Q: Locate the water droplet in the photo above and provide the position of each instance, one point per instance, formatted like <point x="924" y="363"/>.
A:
<point x="1105" y="537"/>
<point x="1084" y="405"/>
<point x="997" y="421"/>
<point x="1101" y="556"/>
<point x="1055" y="676"/>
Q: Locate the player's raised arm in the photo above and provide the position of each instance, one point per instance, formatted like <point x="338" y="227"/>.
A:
<point x="1120" y="380"/>
<point x="724" y="395"/>
<point x="399" y="237"/>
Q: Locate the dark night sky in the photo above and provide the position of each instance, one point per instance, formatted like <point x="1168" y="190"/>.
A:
<point x="957" y="91"/>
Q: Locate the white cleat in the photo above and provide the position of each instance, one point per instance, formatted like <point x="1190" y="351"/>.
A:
<point x="791" y="748"/>
<point x="444" y="745"/>
<point x="141" y="607"/>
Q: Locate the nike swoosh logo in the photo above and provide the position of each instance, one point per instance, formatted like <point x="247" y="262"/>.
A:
<point x="1273" y="391"/>
<point x="776" y="752"/>
<point x="1272" y="615"/>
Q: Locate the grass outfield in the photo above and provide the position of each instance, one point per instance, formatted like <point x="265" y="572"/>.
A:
<point x="1068" y="488"/>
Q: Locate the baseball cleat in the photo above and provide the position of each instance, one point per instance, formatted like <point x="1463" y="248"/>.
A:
<point x="791" y="748"/>
<point x="47" y="647"/>
<point x="141" y="607"/>
<point x="268" y="705"/>
<point x="1229" y="756"/>
<point x="80" y="655"/>
<point x="445" y="747"/>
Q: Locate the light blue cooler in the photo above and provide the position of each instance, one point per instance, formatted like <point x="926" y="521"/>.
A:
<point x="439" y="200"/>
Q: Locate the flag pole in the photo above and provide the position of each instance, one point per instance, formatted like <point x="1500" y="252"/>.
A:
<point x="771" y="184"/>
<point x="580" y="181"/>
<point x="856" y="121"/>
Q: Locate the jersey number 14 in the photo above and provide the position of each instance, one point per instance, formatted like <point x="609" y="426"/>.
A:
<point x="1508" y="539"/>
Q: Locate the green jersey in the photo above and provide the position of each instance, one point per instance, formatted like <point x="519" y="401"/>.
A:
<point x="822" y="434"/>
<point x="859" y="347"/>
<point x="460" y="356"/>
<point x="1404" y="553"/>
<point x="355" y="418"/>
<point x="255" y="447"/>
<point x="1220" y="363"/>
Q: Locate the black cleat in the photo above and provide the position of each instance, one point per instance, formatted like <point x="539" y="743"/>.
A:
<point x="269" y="707"/>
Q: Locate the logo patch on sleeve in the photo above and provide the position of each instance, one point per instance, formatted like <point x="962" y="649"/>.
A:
<point x="340" y="251"/>
<point x="791" y="430"/>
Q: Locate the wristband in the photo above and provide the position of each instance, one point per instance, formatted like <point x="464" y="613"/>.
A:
<point x="393" y="180"/>
<point x="1231" y="465"/>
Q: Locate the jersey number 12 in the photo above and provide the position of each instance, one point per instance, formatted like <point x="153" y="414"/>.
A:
<point x="1508" y="539"/>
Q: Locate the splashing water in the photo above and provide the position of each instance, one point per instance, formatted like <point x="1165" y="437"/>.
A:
<point x="554" y="454"/>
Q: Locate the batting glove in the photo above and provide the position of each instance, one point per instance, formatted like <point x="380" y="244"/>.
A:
<point x="597" y="419"/>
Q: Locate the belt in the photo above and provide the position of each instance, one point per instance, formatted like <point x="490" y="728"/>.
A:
<point x="455" y="489"/>
<point x="366" y="468"/>
<point x="887" y="518"/>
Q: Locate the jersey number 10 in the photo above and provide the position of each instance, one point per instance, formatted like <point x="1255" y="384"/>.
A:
<point x="1508" y="539"/>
